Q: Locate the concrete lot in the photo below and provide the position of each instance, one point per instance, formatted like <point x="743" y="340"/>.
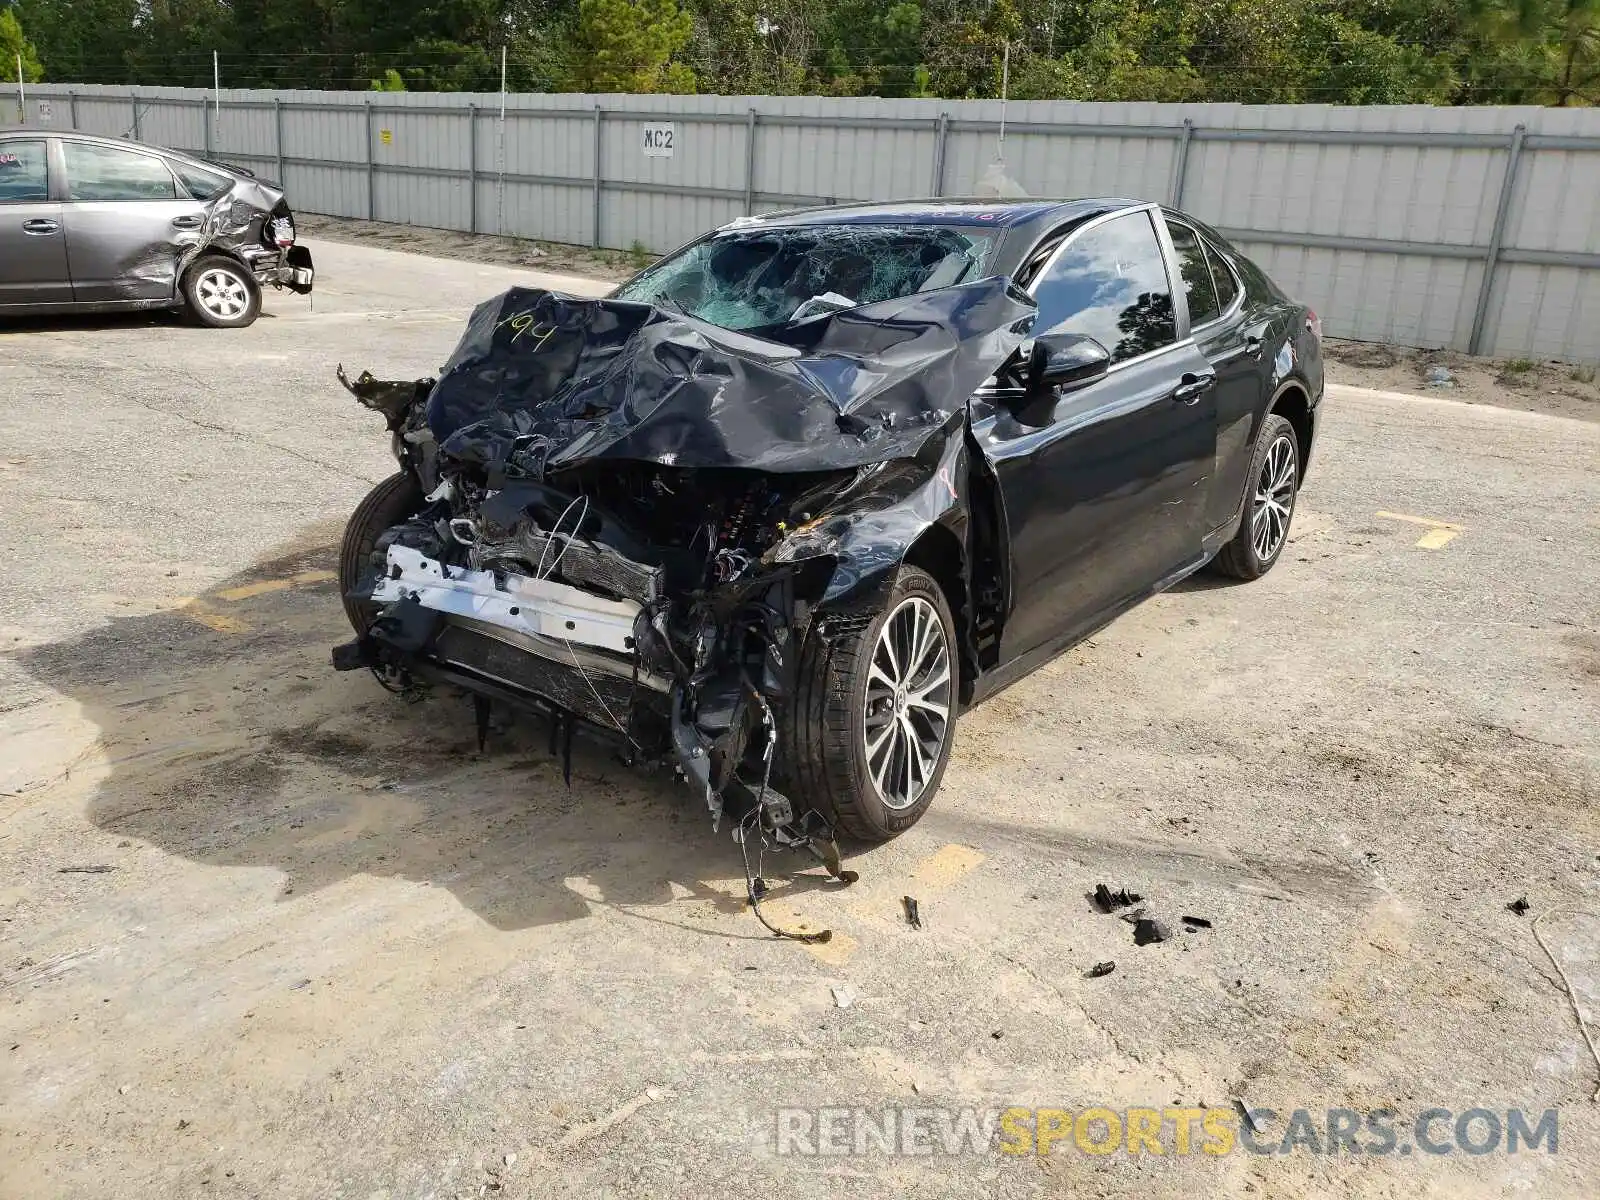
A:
<point x="340" y="953"/>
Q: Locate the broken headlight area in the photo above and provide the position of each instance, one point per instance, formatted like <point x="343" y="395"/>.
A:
<point x="622" y="516"/>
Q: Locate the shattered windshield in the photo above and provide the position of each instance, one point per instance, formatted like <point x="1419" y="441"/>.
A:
<point x="759" y="278"/>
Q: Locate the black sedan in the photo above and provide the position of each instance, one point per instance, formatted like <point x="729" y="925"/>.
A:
<point x="789" y="500"/>
<point x="94" y="224"/>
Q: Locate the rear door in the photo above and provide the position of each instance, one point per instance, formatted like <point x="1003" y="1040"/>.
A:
<point x="33" y="242"/>
<point x="128" y="222"/>
<point x="1104" y="488"/>
<point x="1231" y="336"/>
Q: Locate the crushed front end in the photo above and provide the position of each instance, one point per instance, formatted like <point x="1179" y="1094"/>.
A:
<point x="624" y="517"/>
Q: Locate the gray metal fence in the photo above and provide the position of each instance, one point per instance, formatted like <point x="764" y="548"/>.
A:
<point x="1472" y="228"/>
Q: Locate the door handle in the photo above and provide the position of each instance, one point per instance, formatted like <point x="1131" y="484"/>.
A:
<point x="186" y="222"/>
<point x="40" y="227"/>
<point x="1191" y="387"/>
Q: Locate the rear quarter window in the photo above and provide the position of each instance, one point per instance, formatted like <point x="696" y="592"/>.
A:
<point x="199" y="183"/>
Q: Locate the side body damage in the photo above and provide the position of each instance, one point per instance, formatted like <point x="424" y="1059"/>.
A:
<point x="628" y="517"/>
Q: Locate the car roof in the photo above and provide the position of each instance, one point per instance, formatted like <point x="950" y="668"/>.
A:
<point x="126" y="143"/>
<point x="954" y="210"/>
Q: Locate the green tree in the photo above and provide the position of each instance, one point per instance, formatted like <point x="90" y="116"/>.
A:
<point x="1538" y="51"/>
<point x="390" y="82"/>
<point x="14" y="46"/>
<point x="629" y="45"/>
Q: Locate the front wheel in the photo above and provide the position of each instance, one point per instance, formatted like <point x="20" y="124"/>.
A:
<point x="388" y="504"/>
<point x="1269" y="507"/>
<point x="869" y="732"/>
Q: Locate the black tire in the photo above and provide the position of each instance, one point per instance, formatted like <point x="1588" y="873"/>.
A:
<point x="220" y="293"/>
<point x="1242" y="558"/>
<point x="824" y="736"/>
<point x="390" y="503"/>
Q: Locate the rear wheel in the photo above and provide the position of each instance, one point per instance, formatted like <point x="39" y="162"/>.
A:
<point x="869" y="733"/>
<point x="220" y="293"/>
<point x="390" y="503"/>
<point x="1269" y="507"/>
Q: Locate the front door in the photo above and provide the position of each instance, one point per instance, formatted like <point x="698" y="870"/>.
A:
<point x="1104" y="488"/>
<point x="33" y="242"/>
<point x="128" y="223"/>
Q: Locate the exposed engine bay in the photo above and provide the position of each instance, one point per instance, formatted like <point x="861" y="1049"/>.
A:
<point x="620" y="515"/>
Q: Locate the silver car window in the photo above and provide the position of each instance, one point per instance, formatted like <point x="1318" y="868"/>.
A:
<point x="109" y="173"/>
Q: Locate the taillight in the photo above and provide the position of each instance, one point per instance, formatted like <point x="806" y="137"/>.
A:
<point x="1314" y="325"/>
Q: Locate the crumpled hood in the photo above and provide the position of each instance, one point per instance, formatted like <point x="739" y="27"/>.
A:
<point x="542" y="381"/>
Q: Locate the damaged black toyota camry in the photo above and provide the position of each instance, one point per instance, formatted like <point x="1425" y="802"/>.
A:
<point x="788" y="501"/>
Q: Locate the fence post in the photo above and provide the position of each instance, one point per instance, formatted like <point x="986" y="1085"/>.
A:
<point x="472" y="168"/>
<point x="750" y="162"/>
<point x="597" y="119"/>
<point x="372" y="171"/>
<point x="205" y="120"/>
<point x="941" y="136"/>
<point x="133" y="99"/>
<point x="1180" y="174"/>
<point x="277" y="133"/>
<point x="72" y="108"/>
<point x="1502" y="212"/>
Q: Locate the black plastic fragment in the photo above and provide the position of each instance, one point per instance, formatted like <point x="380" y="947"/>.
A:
<point x="1101" y="969"/>
<point x="1147" y="930"/>
<point x="913" y="913"/>
<point x="354" y="656"/>
<point x="1108" y="901"/>
<point x="1519" y="906"/>
<point x="1197" y="922"/>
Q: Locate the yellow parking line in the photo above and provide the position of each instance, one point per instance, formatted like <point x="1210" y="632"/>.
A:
<point x="1440" y="533"/>
<point x="261" y="588"/>
<point x="212" y="620"/>
<point x="1437" y="539"/>
<point x="944" y="866"/>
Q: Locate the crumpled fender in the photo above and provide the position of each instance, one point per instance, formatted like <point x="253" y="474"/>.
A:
<point x="877" y="528"/>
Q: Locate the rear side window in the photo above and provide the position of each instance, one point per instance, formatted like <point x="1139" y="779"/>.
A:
<point x="1198" y="284"/>
<point x="1110" y="283"/>
<point x="202" y="185"/>
<point x="23" y="176"/>
<point x="1222" y="275"/>
<point x="108" y="173"/>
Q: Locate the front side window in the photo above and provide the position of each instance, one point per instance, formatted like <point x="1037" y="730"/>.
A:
<point x="23" y="176"/>
<point x="1110" y="283"/>
<point x="753" y="278"/>
<point x="1197" y="279"/>
<point x="108" y="173"/>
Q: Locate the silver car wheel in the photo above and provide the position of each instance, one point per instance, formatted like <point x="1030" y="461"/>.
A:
<point x="1274" y="502"/>
<point x="906" y="717"/>
<point x="222" y="294"/>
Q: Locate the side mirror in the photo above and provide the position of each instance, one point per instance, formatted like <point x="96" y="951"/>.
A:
<point x="1066" y="361"/>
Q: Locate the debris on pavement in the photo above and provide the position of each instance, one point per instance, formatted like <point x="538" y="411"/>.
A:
<point x="1101" y="969"/>
<point x="92" y="869"/>
<point x="1108" y="901"/>
<point x="1519" y="906"/>
<point x="1440" y="377"/>
<point x="1196" y="922"/>
<point x="913" y="913"/>
<point x="1147" y="930"/>
<point x="1244" y="1113"/>
<point x="843" y="997"/>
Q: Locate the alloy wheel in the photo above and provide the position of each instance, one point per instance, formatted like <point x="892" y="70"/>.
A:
<point x="222" y="294"/>
<point x="1274" y="502"/>
<point x="907" y="712"/>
